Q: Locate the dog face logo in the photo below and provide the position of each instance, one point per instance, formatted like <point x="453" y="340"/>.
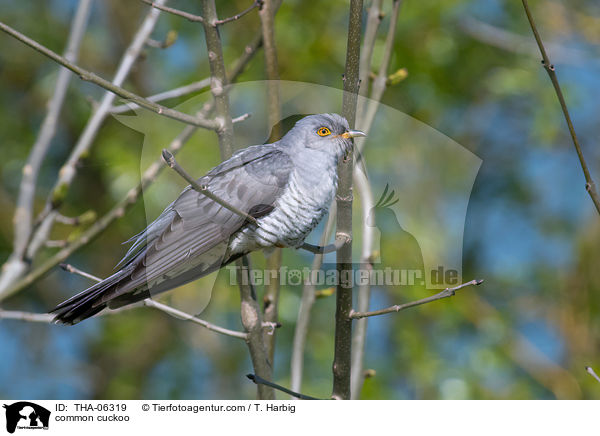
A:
<point x="26" y="415"/>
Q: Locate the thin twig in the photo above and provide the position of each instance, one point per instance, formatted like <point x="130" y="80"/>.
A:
<point x="16" y="265"/>
<point x="256" y="4"/>
<point x="515" y="43"/>
<point x="259" y="380"/>
<point x="172" y="93"/>
<point x="117" y="90"/>
<point x="363" y="188"/>
<point x="380" y="82"/>
<point x="26" y="316"/>
<point x="590" y="186"/>
<point x="343" y="324"/>
<point x="186" y="316"/>
<point x="340" y="241"/>
<point x="591" y="372"/>
<point x="448" y="292"/>
<point x="374" y="18"/>
<point x="191" y="17"/>
<point x="241" y="118"/>
<point x="173" y="164"/>
<point x="73" y="270"/>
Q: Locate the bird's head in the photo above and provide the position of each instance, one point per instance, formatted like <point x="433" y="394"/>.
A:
<point x="329" y="133"/>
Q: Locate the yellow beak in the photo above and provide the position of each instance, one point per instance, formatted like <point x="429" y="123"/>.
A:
<point x="352" y="134"/>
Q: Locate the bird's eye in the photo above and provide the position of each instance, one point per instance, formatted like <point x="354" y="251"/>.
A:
<point x="323" y="131"/>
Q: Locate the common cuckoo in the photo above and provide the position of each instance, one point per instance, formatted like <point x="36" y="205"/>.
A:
<point x="287" y="186"/>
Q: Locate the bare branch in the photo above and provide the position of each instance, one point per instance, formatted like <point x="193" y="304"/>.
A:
<point x="591" y="372"/>
<point x="448" y="292"/>
<point x="363" y="188"/>
<point x="252" y="322"/>
<point x="259" y="380"/>
<point x="73" y="270"/>
<point x="114" y="89"/>
<point x="256" y="4"/>
<point x="590" y="186"/>
<point x="173" y="93"/>
<point x="250" y="312"/>
<point x="373" y="21"/>
<point x="241" y="118"/>
<point x="505" y="40"/>
<point x="16" y="264"/>
<point x="340" y="241"/>
<point x="190" y="17"/>
<point x="267" y="21"/>
<point x="26" y="316"/>
<point x="172" y="163"/>
<point x="186" y="316"/>
<point x="219" y="82"/>
<point x="343" y="324"/>
<point x="380" y="81"/>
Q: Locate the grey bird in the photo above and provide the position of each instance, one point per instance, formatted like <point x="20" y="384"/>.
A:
<point x="287" y="186"/>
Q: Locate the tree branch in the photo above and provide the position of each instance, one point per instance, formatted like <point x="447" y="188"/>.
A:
<point x="203" y="189"/>
<point x="26" y="316"/>
<point x="591" y="372"/>
<point x="186" y="316"/>
<point x="259" y="380"/>
<point x="448" y="292"/>
<point x="116" y="90"/>
<point x="256" y="4"/>
<point x="380" y="82"/>
<point x="190" y="17"/>
<point x="250" y="312"/>
<point x="267" y="19"/>
<point x="173" y="93"/>
<point x="590" y="186"/>
<point x="373" y="21"/>
<point x="16" y="265"/>
<point x="367" y="202"/>
<point x="343" y="324"/>
<point x="340" y="241"/>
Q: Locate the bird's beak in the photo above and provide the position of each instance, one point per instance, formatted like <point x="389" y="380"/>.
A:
<point x="353" y="134"/>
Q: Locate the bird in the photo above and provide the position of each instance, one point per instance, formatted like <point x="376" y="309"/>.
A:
<point x="286" y="187"/>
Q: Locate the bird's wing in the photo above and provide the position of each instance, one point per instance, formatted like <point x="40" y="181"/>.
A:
<point x="252" y="180"/>
<point x="190" y="238"/>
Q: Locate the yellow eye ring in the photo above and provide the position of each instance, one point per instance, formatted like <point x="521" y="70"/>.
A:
<point x="323" y="131"/>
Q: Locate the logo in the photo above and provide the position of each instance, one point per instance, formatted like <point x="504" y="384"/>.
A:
<point x="26" y="415"/>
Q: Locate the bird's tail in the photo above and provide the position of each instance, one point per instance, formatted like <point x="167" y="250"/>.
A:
<point x="87" y="303"/>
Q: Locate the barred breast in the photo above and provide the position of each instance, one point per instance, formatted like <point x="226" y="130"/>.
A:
<point x="297" y="212"/>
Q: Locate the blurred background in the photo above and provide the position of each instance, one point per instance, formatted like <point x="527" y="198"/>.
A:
<point x="473" y="74"/>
